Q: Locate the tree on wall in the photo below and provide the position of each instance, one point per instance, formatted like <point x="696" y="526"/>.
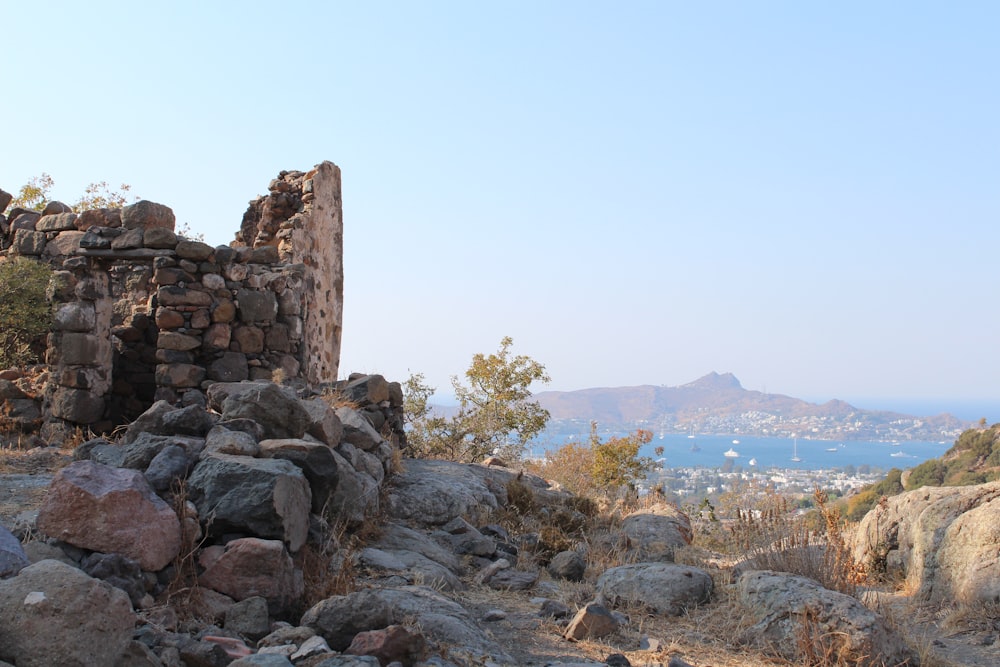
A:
<point x="25" y="312"/>
<point x="495" y="414"/>
<point x="34" y="194"/>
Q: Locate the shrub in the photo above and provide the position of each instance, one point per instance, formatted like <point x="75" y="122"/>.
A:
<point x="25" y="313"/>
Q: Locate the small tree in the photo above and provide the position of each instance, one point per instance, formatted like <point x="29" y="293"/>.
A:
<point x="617" y="462"/>
<point x="25" y="313"/>
<point x="36" y="193"/>
<point x="600" y="467"/>
<point x="495" y="414"/>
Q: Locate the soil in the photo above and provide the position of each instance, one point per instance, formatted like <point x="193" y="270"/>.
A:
<point x="705" y="636"/>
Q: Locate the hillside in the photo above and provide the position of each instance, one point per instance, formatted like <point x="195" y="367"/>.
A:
<point x="718" y="403"/>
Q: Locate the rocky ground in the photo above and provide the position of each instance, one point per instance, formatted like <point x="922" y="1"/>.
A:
<point x="467" y="564"/>
<point x="704" y="635"/>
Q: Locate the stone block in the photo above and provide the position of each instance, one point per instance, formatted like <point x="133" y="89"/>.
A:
<point x="195" y="251"/>
<point x="74" y="316"/>
<point x="180" y="296"/>
<point x="28" y="242"/>
<point x="76" y="405"/>
<point x="80" y="349"/>
<point x="147" y="214"/>
<point x="171" y="340"/>
<point x="257" y="306"/>
<point x="65" y="243"/>
<point x="159" y="237"/>
<point x="179" y="375"/>
<point x="59" y="222"/>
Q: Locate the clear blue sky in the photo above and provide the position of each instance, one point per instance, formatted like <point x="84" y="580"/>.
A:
<point x="804" y="194"/>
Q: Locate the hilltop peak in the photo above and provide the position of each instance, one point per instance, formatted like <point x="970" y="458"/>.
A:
<point x="715" y="381"/>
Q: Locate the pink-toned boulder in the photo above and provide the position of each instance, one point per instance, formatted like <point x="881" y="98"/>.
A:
<point x="392" y="644"/>
<point x="111" y="510"/>
<point x="251" y="567"/>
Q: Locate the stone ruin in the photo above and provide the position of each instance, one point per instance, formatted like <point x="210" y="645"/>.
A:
<point x="143" y="314"/>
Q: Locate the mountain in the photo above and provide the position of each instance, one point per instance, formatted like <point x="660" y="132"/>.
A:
<point x="718" y="403"/>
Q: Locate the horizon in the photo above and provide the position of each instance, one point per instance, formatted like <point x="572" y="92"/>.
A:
<point x="804" y="195"/>
<point x="970" y="409"/>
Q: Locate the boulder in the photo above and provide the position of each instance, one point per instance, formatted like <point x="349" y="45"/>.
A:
<point x="797" y="617"/>
<point x="391" y="644"/>
<point x="944" y="540"/>
<point x="146" y="214"/>
<point x="249" y="618"/>
<point x="251" y="567"/>
<point x="666" y="588"/>
<point x="54" y="614"/>
<point x="316" y="460"/>
<point x="357" y="430"/>
<point x="119" y="571"/>
<point x="111" y="510"/>
<point x="221" y="440"/>
<point x="593" y="621"/>
<point x="366" y="390"/>
<point x="340" y="618"/>
<point x="414" y="567"/>
<point x="655" y="532"/>
<point x="12" y="556"/>
<point x="267" y="498"/>
<point x="433" y="493"/>
<point x="280" y="416"/>
<point x="356" y="496"/>
<point x="324" y="424"/>
<point x="568" y="565"/>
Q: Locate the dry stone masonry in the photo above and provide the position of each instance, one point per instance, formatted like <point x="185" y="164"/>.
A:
<point x="144" y="314"/>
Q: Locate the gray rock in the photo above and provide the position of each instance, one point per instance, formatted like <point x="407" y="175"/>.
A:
<point x="268" y="498"/>
<point x="230" y="367"/>
<point x="263" y="660"/>
<point x="666" y="588"/>
<point x="366" y="390"/>
<point x="278" y="414"/>
<point x="249" y="618"/>
<point x="12" y="556"/>
<point x="798" y="617"/>
<point x="324" y="424"/>
<point x="356" y="496"/>
<point x="433" y="493"/>
<point x="169" y="466"/>
<point x="416" y="568"/>
<point x="943" y="539"/>
<point x="357" y="430"/>
<point x="592" y="622"/>
<point x="28" y="242"/>
<point x="221" y="440"/>
<point x="316" y="461"/>
<point x="339" y="618"/>
<point x="568" y="565"/>
<point x="257" y="306"/>
<point x="192" y="420"/>
<point x="119" y="571"/>
<point x="54" y="614"/>
<point x="512" y="580"/>
<point x="656" y="532"/>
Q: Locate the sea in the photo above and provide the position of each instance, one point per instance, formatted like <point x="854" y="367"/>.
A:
<point x="708" y="451"/>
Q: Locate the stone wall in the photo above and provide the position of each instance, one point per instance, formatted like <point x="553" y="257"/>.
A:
<point x="143" y="314"/>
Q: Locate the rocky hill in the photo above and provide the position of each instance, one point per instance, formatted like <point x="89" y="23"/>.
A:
<point x="272" y="528"/>
<point x="718" y="404"/>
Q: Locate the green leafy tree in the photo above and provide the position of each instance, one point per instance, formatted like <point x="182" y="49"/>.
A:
<point x="495" y="414"/>
<point x="25" y="312"/>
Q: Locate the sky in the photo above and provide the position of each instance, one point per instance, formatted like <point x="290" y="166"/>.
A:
<point x="806" y="195"/>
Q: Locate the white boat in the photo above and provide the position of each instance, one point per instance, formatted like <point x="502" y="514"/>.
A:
<point x="899" y="454"/>
<point x="795" y="451"/>
<point x="831" y="449"/>
<point x="731" y="453"/>
<point x="736" y="442"/>
<point x="752" y="462"/>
